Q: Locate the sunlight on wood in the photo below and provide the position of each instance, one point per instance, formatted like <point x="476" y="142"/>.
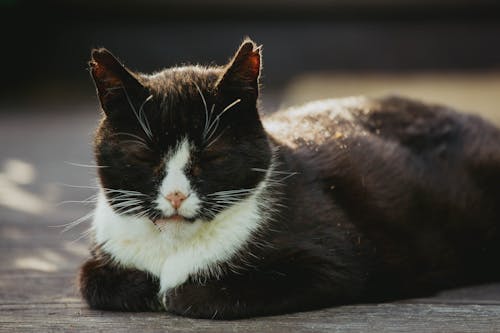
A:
<point x="19" y="171"/>
<point x="15" y="234"/>
<point x="46" y="260"/>
<point x="76" y="248"/>
<point x="16" y="173"/>
<point x="36" y="264"/>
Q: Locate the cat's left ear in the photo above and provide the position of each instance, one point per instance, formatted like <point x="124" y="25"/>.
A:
<point x="241" y="76"/>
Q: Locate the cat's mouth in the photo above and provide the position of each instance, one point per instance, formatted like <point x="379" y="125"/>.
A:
<point x="174" y="218"/>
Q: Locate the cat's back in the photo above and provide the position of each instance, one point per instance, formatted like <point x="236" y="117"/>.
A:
<point x="387" y="128"/>
<point x="423" y="173"/>
<point x="392" y="118"/>
<point x="392" y="140"/>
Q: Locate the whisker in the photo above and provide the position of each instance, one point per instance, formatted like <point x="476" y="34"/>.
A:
<point x="79" y="186"/>
<point x="125" y="192"/>
<point x="131" y="135"/>
<point x="84" y="234"/>
<point x="108" y="190"/>
<point x="141" y="112"/>
<point x="127" y="203"/>
<point x="286" y="177"/>
<point x="215" y="123"/>
<point x="204" y="104"/>
<point x="68" y="226"/>
<point x="77" y="222"/>
<point x="274" y="171"/>
<point x="123" y="197"/>
<point x="235" y="190"/>
<point x="124" y="203"/>
<point x="230" y="106"/>
<point x="75" y="201"/>
<point x="217" y="138"/>
<point x="227" y="199"/>
<point x="143" y="213"/>
<point x="142" y="122"/>
<point x="128" y="211"/>
<point x="139" y="143"/>
<point x="85" y="201"/>
<point x="231" y="192"/>
<point x="86" y="165"/>
<point x="205" y="131"/>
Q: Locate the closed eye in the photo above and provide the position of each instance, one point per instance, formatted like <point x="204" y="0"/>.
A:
<point x="205" y="160"/>
<point x="138" y="150"/>
<point x="216" y="158"/>
<point x="132" y="143"/>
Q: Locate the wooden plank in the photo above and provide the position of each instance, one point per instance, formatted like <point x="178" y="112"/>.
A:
<point x="35" y="288"/>
<point x="42" y="287"/>
<point x="50" y="302"/>
<point x="481" y="294"/>
<point x="62" y="317"/>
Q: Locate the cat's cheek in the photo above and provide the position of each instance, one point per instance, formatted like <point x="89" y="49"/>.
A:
<point x="191" y="206"/>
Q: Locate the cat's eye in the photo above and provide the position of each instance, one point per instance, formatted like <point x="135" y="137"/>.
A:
<point x="143" y="155"/>
<point x="215" y="158"/>
<point x="139" y="152"/>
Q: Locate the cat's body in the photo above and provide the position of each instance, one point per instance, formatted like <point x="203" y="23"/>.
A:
<point x="334" y="202"/>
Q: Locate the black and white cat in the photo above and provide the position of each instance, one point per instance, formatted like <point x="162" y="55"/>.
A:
<point x="208" y="210"/>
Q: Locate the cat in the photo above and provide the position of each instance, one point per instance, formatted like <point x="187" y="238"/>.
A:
<point x="208" y="210"/>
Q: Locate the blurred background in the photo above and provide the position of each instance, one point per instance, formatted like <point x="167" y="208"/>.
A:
<point x="445" y="51"/>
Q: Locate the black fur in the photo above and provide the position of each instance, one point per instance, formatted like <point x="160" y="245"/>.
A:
<point x="107" y="286"/>
<point x="401" y="199"/>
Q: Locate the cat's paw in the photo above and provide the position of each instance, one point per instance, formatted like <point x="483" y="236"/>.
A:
<point x="106" y="286"/>
<point x="195" y="301"/>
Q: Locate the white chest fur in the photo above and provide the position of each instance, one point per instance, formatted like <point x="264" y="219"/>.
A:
<point x="181" y="249"/>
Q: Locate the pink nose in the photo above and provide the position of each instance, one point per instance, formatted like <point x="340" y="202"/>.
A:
<point x="176" y="198"/>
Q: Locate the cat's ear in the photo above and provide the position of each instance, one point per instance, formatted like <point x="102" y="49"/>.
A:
<point x="241" y="75"/>
<point x="117" y="88"/>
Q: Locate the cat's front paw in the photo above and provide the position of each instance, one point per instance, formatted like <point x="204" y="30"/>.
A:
<point x="192" y="300"/>
<point x="106" y="286"/>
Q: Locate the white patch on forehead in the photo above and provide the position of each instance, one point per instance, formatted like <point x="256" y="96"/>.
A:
<point x="180" y="157"/>
<point x="176" y="181"/>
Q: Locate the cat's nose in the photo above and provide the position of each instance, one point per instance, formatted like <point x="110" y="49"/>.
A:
<point x="176" y="198"/>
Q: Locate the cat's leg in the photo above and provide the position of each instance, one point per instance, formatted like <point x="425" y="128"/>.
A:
<point x="294" y="281"/>
<point x="107" y="286"/>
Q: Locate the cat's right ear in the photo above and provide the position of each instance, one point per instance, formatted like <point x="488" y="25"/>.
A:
<point x="117" y="88"/>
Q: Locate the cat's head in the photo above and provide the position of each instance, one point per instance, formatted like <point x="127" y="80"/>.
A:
<point x="182" y="144"/>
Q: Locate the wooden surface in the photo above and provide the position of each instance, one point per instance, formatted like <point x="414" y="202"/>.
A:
<point x="38" y="293"/>
<point x="38" y="262"/>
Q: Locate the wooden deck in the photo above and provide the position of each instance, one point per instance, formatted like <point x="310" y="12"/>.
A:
<point x="39" y="262"/>
<point x="38" y="294"/>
